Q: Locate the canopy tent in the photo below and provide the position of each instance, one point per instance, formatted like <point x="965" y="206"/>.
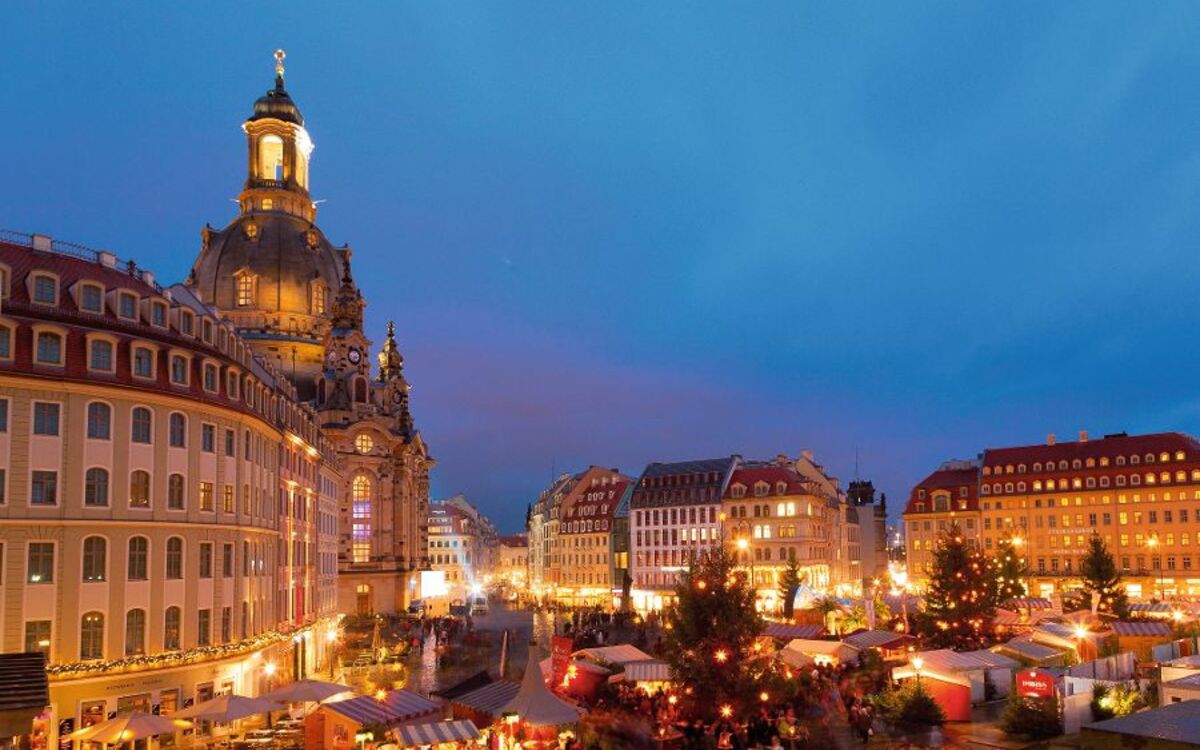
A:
<point x="789" y="630"/>
<point x="435" y="732"/>
<point x="485" y="703"/>
<point x="820" y="652"/>
<point x="129" y="727"/>
<point x="534" y="704"/>
<point x="396" y="706"/>
<point x="805" y="597"/>
<point x="308" y="691"/>
<point x="226" y="708"/>
<point x="648" y="670"/>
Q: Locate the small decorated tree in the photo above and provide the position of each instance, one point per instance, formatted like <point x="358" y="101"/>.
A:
<point x="1101" y="580"/>
<point x="1011" y="571"/>
<point x="789" y="584"/>
<point x="961" y="597"/>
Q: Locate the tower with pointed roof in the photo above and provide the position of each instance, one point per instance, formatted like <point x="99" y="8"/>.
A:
<point x="292" y="296"/>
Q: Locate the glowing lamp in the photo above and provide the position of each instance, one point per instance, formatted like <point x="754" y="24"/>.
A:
<point x="764" y="696"/>
<point x="721" y="656"/>
<point x="917" y="663"/>
<point x="726" y="711"/>
<point x="269" y="669"/>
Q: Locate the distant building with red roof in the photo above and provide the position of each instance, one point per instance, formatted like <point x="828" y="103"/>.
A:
<point x="1140" y="493"/>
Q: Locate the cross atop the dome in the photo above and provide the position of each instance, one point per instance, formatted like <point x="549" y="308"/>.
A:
<point x="279" y="57"/>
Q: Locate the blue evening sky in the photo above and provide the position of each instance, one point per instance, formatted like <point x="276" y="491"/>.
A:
<point x="614" y="233"/>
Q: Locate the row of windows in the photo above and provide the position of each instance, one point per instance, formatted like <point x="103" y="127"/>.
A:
<point x="707" y="514"/>
<point x="44" y="486"/>
<point x="1120" y="480"/>
<point x="40" y="560"/>
<point x="90" y="298"/>
<point x="761" y="489"/>
<point x="91" y="632"/>
<point x="1088" y="463"/>
<point x="782" y="510"/>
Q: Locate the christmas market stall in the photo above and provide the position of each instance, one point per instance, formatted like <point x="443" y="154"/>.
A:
<point x="335" y="726"/>
<point x="536" y="717"/>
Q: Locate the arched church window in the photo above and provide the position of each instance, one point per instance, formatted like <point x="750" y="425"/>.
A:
<point x="318" y="298"/>
<point x="360" y="513"/>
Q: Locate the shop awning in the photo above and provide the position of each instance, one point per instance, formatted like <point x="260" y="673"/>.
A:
<point x="24" y="691"/>
<point x="648" y="670"/>
<point x="432" y="733"/>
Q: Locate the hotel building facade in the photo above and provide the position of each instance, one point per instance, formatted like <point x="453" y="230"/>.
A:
<point x="168" y="505"/>
<point x="1140" y="493"/>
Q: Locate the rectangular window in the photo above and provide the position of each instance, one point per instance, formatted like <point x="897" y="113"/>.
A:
<point x="43" y="488"/>
<point x="227" y="498"/>
<point x="37" y="637"/>
<point x="49" y="348"/>
<point x="5" y="342"/>
<point x="143" y="363"/>
<point x="45" y="418"/>
<point x="226" y="624"/>
<point x="179" y="370"/>
<point x="204" y="627"/>
<point x="229" y="443"/>
<point x="208" y="438"/>
<point x="91" y="299"/>
<point x="187" y="322"/>
<point x="45" y="290"/>
<point x="127" y="306"/>
<point x="158" y="314"/>
<point x="4" y="415"/>
<point x="206" y="496"/>
<point x="206" y="559"/>
<point x="101" y="356"/>
<point x="227" y="560"/>
<point x="210" y="378"/>
<point x="40" y="567"/>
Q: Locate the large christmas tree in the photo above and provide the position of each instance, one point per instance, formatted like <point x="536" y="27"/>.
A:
<point x="710" y="635"/>
<point x="1101" y="579"/>
<point x="960" y="600"/>
<point x="1011" y="570"/>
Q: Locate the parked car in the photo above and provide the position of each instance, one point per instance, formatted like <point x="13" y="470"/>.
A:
<point x="479" y="605"/>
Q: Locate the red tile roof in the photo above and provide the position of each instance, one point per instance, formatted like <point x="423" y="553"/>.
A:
<point x="1107" y="447"/>
<point x="772" y="474"/>
<point x="952" y="479"/>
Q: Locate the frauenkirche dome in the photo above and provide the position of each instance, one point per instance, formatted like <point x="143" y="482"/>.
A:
<point x="271" y="270"/>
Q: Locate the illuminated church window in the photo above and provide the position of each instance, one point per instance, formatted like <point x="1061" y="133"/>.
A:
<point x="360" y="512"/>
<point x="363" y="444"/>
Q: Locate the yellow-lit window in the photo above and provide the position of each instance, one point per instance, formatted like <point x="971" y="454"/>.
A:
<point x="363" y="444"/>
<point x="245" y="290"/>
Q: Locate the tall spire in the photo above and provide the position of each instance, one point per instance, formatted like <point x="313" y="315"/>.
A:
<point x="280" y="55"/>
<point x="390" y="361"/>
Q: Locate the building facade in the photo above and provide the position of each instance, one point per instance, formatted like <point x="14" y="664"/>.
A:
<point x="588" y="541"/>
<point x="512" y="563"/>
<point x="168" y="503"/>
<point x="461" y="545"/>
<point x="773" y="517"/>
<point x="674" y="517"/>
<point x="291" y="295"/>
<point x="1140" y="493"/>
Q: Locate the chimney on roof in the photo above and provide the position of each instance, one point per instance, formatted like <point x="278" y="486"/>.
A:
<point x="1083" y="436"/>
<point x="807" y="454"/>
<point x="1050" y="439"/>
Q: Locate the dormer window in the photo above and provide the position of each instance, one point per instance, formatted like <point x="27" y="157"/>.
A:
<point x="179" y="369"/>
<point x="158" y="314"/>
<point x="45" y="289"/>
<point x="187" y="322"/>
<point x="127" y="306"/>
<point x="143" y="362"/>
<point x="49" y="348"/>
<point x="91" y="298"/>
<point x="207" y="327"/>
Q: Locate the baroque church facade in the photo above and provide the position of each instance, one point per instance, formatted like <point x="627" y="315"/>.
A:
<point x="291" y="294"/>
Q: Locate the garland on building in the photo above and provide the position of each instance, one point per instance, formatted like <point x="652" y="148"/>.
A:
<point x="173" y="658"/>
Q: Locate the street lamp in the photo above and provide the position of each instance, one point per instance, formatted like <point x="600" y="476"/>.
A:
<point x="917" y="663"/>
<point x="900" y="578"/>
<point x="743" y="544"/>
<point x="331" y="639"/>
<point x="1152" y="543"/>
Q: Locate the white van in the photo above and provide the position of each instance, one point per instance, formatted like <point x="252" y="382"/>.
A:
<point x="479" y="605"/>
